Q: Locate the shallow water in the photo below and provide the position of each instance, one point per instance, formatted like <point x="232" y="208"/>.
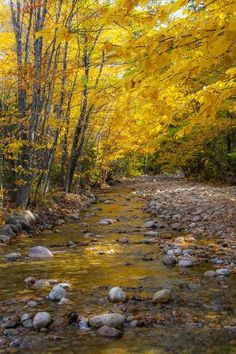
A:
<point x="193" y="323"/>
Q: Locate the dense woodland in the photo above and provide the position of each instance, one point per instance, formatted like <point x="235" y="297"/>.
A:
<point x="96" y="88"/>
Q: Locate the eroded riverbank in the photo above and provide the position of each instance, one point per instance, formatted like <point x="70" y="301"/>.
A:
<point x="92" y="258"/>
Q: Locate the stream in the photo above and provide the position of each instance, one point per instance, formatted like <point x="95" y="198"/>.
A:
<point x="199" y="319"/>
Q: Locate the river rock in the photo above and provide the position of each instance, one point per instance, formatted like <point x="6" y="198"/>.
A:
<point x="12" y="256"/>
<point x="41" y="283"/>
<point x="124" y="240"/>
<point x="150" y="224"/>
<point x="57" y="293"/>
<point x="110" y="332"/>
<point x="12" y="322"/>
<point x="32" y="304"/>
<point x="105" y="222"/>
<point x="161" y="296"/>
<point x="4" y="238"/>
<point x="186" y="262"/>
<point x="27" y="321"/>
<point x="169" y="260"/>
<point x="223" y="272"/>
<point x="40" y="252"/>
<point x="41" y="320"/>
<point x="115" y="320"/>
<point x="65" y="301"/>
<point x="29" y="280"/>
<point x="7" y="231"/>
<point x="210" y="273"/>
<point x="116" y="294"/>
<point x="152" y="234"/>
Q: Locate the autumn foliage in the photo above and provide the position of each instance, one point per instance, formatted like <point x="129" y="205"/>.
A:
<point x="90" y="88"/>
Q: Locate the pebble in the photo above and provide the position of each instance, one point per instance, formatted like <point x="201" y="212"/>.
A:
<point x="32" y="304"/>
<point x="115" y="320"/>
<point x="12" y="256"/>
<point x="210" y="273"/>
<point x="161" y="296"/>
<point x="169" y="260"/>
<point x="116" y="294"/>
<point x="41" y="320"/>
<point x="110" y="332"/>
<point x="57" y="293"/>
<point x="40" y="252"/>
<point x="27" y="321"/>
<point x="223" y="272"/>
<point x="186" y="262"/>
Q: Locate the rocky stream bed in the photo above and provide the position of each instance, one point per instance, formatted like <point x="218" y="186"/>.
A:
<point x="148" y="268"/>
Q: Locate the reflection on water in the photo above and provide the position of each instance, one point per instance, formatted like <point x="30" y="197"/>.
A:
<point x="103" y="263"/>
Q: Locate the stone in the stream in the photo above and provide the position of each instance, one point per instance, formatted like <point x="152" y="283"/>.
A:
<point x="186" y="262"/>
<point x="29" y="280"/>
<point x="210" y="273"/>
<point x="223" y="272"/>
<point x="27" y="321"/>
<point x="12" y="322"/>
<point x="7" y="231"/>
<point x="151" y="224"/>
<point x="169" y="260"/>
<point x="161" y="296"/>
<point x="65" y="301"/>
<point x="57" y="293"/>
<point x="4" y="239"/>
<point x="32" y="304"/>
<point x="124" y="240"/>
<point x="40" y="252"/>
<point x="12" y="256"/>
<point x="105" y="222"/>
<point x="115" y="320"/>
<point x="116" y="294"/>
<point x="41" y="283"/>
<point x="110" y="332"/>
<point x="152" y="234"/>
<point x="42" y="320"/>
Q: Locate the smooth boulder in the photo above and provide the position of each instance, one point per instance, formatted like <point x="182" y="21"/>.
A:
<point x="161" y="296"/>
<point x="223" y="272"/>
<point x="116" y="294"/>
<point x="41" y="320"/>
<point x="169" y="260"/>
<point x="186" y="262"/>
<point x="109" y="332"/>
<point x="115" y="320"/>
<point x="40" y="252"/>
<point x="57" y="293"/>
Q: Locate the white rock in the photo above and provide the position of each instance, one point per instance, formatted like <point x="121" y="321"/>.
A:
<point x="150" y="224"/>
<point x="65" y="301"/>
<point x="116" y="294"/>
<point x="57" y="293"/>
<point x="186" y="262"/>
<point x="41" y="320"/>
<point x="223" y="272"/>
<point x="41" y="283"/>
<point x="210" y="273"/>
<point x="105" y="222"/>
<point x="32" y="304"/>
<point x="12" y="256"/>
<point x="64" y="285"/>
<point x="162" y="296"/>
<point x="26" y="320"/>
<point x="115" y="320"/>
<point x="40" y="252"/>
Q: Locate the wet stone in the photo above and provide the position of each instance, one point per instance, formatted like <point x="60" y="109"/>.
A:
<point x="110" y="332"/>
